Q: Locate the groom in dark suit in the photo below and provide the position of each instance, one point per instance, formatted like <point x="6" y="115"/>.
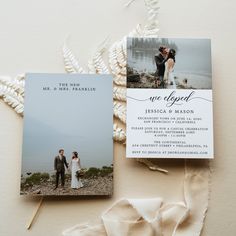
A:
<point x="160" y="60"/>
<point x="59" y="166"/>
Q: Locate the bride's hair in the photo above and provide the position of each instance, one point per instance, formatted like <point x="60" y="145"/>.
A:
<point x="75" y="155"/>
<point x="172" y="54"/>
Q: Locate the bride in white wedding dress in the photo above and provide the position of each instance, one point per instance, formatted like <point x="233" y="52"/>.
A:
<point x="75" y="166"/>
<point x="169" y="80"/>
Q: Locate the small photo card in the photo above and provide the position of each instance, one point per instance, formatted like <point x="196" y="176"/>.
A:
<point x="68" y="135"/>
<point x="169" y="98"/>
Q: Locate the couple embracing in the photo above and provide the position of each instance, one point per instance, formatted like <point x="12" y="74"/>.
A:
<point x="165" y="62"/>
<point x="59" y="166"/>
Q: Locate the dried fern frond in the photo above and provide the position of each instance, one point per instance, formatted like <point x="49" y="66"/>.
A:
<point x="14" y="103"/>
<point x="20" y="77"/>
<point x="117" y="63"/>
<point x="12" y="98"/>
<point x="121" y="53"/>
<point x="119" y="80"/>
<point x="119" y="111"/>
<point x="118" y="134"/>
<point x="114" y="65"/>
<point x="97" y="61"/>
<point x="19" y="80"/>
<point x="91" y="68"/>
<point x="119" y="93"/>
<point x="136" y="32"/>
<point x="6" y="80"/>
<point x="71" y="63"/>
<point x="8" y="90"/>
<point x="152" y="9"/>
<point x="129" y="3"/>
<point x="151" y="28"/>
<point x="16" y="84"/>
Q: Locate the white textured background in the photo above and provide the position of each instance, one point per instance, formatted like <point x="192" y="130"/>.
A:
<point x="31" y="36"/>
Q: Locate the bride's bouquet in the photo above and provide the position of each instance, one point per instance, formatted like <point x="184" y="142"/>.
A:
<point x="80" y="173"/>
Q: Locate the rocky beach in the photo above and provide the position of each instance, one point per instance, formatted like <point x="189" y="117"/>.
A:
<point x="95" y="182"/>
<point x="182" y="80"/>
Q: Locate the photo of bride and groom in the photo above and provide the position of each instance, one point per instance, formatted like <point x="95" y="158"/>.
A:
<point x="65" y="176"/>
<point x="74" y="167"/>
<point x="164" y="63"/>
<point x="63" y="151"/>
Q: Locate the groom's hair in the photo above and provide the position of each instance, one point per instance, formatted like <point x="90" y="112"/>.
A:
<point x="162" y="48"/>
<point x="61" y="150"/>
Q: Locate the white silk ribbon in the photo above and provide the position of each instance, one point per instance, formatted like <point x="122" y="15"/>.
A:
<point x="154" y="217"/>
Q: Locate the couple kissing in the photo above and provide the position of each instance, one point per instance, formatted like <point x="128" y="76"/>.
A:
<point x="165" y="62"/>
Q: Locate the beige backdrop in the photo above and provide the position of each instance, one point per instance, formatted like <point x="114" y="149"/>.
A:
<point x="31" y="36"/>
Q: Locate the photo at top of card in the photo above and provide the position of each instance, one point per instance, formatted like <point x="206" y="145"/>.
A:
<point x="68" y="135"/>
<point x="169" y="63"/>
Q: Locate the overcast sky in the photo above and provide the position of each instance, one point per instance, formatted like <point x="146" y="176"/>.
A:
<point x="74" y="120"/>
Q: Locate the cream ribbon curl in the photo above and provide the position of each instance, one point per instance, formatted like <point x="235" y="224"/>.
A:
<point x="154" y="217"/>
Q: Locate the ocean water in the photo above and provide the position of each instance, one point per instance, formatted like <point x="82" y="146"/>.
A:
<point x="195" y="80"/>
<point x="142" y="60"/>
<point x="41" y="150"/>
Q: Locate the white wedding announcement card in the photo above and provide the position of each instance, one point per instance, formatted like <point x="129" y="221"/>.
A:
<point x="169" y="98"/>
